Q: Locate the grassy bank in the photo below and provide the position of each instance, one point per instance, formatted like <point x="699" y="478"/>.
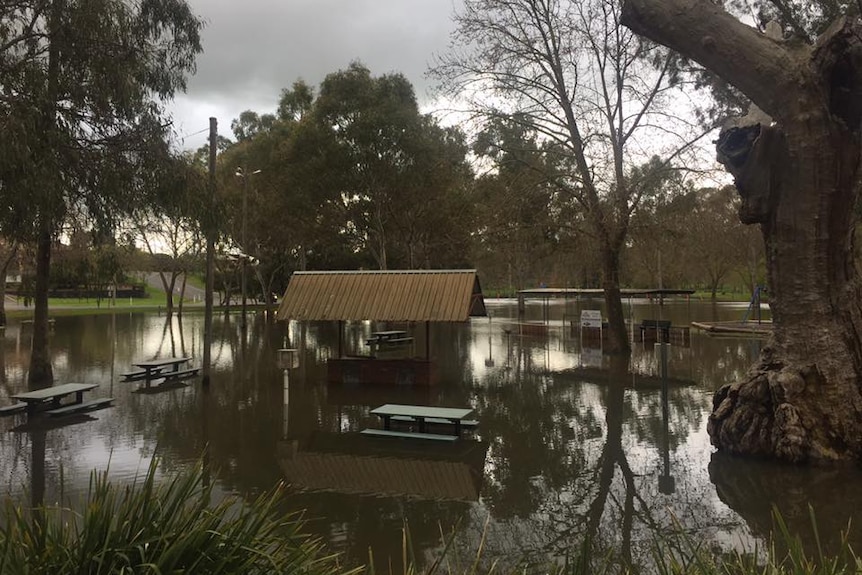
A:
<point x="155" y="300"/>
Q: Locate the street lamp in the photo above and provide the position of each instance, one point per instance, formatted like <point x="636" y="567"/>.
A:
<point x="241" y="174"/>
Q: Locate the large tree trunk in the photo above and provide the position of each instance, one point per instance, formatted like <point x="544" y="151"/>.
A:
<point x="798" y="174"/>
<point x="618" y="340"/>
<point x="41" y="372"/>
<point x="4" y="271"/>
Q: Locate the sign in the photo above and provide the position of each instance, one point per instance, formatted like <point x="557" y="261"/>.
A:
<point x="591" y="318"/>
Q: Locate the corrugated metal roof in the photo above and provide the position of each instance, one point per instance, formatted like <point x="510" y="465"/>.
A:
<point x="409" y="295"/>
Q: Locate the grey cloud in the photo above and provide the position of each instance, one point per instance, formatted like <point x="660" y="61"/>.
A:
<point x="254" y="48"/>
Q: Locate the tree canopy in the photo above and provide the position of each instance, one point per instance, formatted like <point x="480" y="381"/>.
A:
<point x="82" y="92"/>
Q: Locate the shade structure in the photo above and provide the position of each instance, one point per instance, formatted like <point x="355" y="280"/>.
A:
<point x="391" y="295"/>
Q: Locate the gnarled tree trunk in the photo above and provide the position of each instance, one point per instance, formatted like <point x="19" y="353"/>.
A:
<point x="798" y="172"/>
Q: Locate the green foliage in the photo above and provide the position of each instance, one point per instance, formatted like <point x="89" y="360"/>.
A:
<point x="350" y="175"/>
<point x="81" y="87"/>
<point x="160" y="527"/>
<point x="804" y="19"/>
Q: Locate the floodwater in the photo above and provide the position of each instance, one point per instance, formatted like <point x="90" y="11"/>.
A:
<point x="570" y="443"/>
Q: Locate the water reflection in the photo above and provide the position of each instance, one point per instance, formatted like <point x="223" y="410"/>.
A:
<point x="572" y="443"/>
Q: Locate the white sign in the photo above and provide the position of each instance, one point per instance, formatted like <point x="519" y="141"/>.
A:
<point x="591" y="318"/>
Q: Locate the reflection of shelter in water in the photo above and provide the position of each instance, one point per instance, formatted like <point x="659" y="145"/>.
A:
<point x="350" y="463"/>
<point x="403" y="297"/>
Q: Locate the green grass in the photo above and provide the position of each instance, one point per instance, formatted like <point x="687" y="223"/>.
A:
<point x="89" y="306"/>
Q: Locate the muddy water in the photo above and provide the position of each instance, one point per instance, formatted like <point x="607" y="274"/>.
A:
<point x="571" y="443"/>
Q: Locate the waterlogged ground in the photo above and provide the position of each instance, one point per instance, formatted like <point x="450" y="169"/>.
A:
<point x="571" y="445"/>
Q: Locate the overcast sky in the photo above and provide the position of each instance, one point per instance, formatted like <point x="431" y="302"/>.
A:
<point x="254" y="48"/>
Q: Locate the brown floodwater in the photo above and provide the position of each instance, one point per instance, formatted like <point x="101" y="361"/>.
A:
<point x="571" y="443"/>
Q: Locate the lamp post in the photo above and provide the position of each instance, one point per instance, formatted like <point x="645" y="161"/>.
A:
<point x="241" y="174"/>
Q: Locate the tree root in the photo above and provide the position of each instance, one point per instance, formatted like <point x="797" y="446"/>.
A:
<point x="760" y="416"/>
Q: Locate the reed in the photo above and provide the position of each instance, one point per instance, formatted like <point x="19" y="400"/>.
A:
<point x="160" y="527"/>
<point x="674" y="553"/>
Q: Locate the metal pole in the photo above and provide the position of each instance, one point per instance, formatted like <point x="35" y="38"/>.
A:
<point x="210" y="275"/>
<point x="243" y="323"/>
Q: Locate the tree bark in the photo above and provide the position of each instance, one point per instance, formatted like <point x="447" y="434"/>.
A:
<point x="798" y="173"/>
<point x="618" y="341"/>
<point x="41" y="372"/>
<point x="4" y="271"/>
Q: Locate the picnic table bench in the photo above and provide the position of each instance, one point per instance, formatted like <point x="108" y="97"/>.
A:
<point x="12" y="409"/>
<point x="422" y="415"/>
<point x="408" y="435"/>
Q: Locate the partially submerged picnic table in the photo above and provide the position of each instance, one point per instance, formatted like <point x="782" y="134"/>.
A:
<point x="390" y="344"/>
<point x="32" y="402"/>
<point x="456" y="417"/>
<point x="164" y="369"/>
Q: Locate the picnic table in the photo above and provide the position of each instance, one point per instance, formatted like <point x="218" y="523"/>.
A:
<point x="168" y="368"/>
<point x="391" y="336"/>
<point x="421" y="415"/>
<point x="53" y="396"/>
<point x="391" y="343"/>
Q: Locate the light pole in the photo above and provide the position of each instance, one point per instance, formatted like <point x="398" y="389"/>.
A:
<point x="241" y="174"/>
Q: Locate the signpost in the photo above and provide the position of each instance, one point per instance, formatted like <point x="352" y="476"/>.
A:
<point x="591" y="318"/>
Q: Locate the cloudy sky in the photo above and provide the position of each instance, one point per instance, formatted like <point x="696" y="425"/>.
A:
<point x="254" y="48"/>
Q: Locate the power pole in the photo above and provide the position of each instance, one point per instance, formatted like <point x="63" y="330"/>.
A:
<point x="244" y="280"/>
<point x="210" y="275"/>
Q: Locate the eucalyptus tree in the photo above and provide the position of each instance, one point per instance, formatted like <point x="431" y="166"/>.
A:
<point x="82" y="86"/>
<point x="795" y="158"/>
<point x="170" y="228"/>
<point x="351" y="175"/>
<point x="273" y="180"/>
<point x="659" y="230"/>
<point x="432" y="218"/>
<point x="570" y="73"/>
<point x="390" y="166"/>
<point x="517" y="220"/>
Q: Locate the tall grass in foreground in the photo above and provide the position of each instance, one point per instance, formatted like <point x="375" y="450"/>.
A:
<point x="677" y="553"/>
<point x="159" y="527"/>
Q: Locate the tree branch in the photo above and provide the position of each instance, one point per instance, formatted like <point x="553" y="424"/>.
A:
<point x="762" y="68"/>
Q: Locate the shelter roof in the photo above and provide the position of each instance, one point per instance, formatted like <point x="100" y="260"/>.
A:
<point x="626" y="292"/>
<point x="403" y="295"/>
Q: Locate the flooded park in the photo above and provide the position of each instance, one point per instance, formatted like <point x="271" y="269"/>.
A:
<point x="569" y="443"/>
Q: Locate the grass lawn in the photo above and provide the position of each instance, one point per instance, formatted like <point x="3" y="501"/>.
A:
<point x="88" y="306"/>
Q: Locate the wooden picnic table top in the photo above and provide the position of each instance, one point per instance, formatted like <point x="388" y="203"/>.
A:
<point x="47" y="393"/>
<point x="423" y="412"/>
<point x="161" y="362"/>
<point x="390" y="333"/>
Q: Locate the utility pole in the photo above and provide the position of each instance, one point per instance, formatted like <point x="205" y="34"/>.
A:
<point x="244" y="322"/>
<point x="243" y="239"/>
<point x="210" y="276"/>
